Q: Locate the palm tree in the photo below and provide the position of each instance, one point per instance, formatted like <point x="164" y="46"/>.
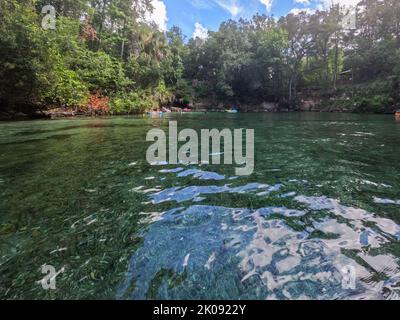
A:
<point x="153" y="43"/>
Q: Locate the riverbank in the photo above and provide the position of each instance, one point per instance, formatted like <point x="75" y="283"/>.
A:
<point x="67" y="115"/>
<point x="305" y="105"/>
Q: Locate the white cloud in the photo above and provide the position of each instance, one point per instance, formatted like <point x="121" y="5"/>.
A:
<point x="200" y="32"/>
<point x="267" y="4"/>
<point x="320" y="5"/>
<point x="201" y="4"/>
<point x="159" y="14"/>
<point x="328" y="3"/>
<point x="303" y="2"/>
<point x="232" y="6"/>
<point x="297" y="11"/>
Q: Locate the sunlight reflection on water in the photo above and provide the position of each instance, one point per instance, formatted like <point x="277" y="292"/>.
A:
<point x="215" y="252"/>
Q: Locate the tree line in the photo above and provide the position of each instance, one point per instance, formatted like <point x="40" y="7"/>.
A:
<point x="104" y="57"/>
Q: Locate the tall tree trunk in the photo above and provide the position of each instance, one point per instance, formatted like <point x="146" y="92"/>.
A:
<point x="336" y="64"/>
<point x="122" y="49"/>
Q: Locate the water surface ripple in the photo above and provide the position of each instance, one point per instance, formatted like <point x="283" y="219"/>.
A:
<point x="79" y="195"/>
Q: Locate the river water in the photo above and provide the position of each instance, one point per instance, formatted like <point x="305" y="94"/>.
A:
<point x="318" y="219"/>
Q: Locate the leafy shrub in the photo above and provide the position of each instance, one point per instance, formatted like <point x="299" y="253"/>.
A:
<point x="375" y="103"/>
<point x="132" y="102"/>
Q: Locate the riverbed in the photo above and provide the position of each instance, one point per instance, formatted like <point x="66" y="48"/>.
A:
<point x="323" y="200"/>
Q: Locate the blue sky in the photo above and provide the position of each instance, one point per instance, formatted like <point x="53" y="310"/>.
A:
<point x="202" y="15"/>
<point x="210" y="13"/>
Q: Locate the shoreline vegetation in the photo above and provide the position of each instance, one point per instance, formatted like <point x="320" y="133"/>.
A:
<point x="62" y="113"/>
<point x="68" y="113"/>
<point x="103" y="58"/>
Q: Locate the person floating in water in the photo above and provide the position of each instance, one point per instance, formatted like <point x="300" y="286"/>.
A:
<point x="155" y="114"/>
<point x="232" y="109"/>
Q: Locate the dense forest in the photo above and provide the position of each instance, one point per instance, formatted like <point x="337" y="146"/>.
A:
<point x="104" y="58"/>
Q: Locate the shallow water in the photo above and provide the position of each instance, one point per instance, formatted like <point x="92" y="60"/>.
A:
<point x="79" y="194"/>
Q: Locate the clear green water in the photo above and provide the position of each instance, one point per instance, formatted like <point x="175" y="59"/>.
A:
<point x="79" y="194"/>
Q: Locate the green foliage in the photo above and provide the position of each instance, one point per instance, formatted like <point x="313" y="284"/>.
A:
<point x="376" y="103"/>
<point x="374" y="97"/>
<point x="101" y="72"/>
<point x="133" y="102"/>
<point x="68" y="89"/>
<point x="23" y="53"/>
<point x="114" y="53"/>
<point x="111" y="53"/>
